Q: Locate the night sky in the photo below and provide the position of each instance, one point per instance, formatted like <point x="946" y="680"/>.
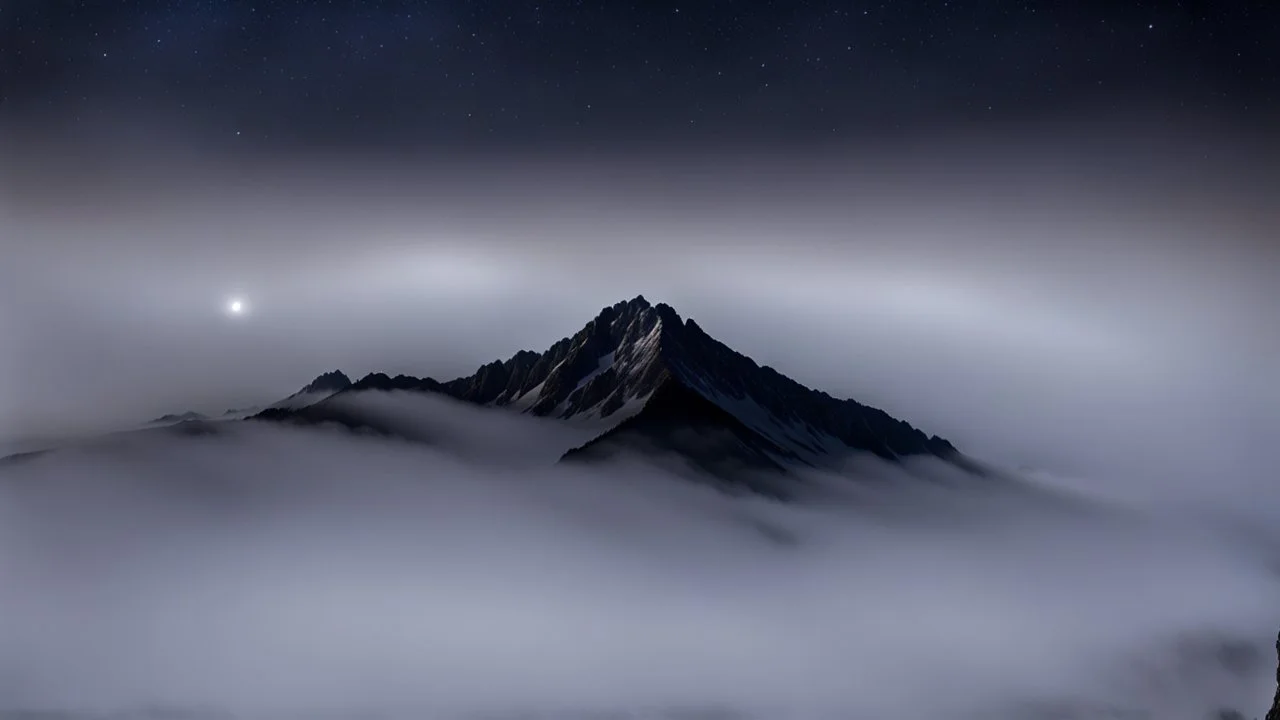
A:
<point x="454" y="74"/>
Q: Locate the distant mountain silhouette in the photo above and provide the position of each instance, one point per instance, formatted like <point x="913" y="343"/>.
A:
<point x="313" y="392"/>
<point x="322" y="387"/>
<point x="660" y="383"/>
<point x="307" y="406"/>
<point x="172" y="418"/>
<point x="379" y="381"/>
<point x="332" y="381"/>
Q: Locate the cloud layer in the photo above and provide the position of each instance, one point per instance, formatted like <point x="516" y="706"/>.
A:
<point x="266" y="569"/>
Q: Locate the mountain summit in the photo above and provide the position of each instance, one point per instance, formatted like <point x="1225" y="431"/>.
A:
<point x="615" y="359"/>
<point x="332" y="381"/>
<point x="673" y="387"/>
<point x="325" y="385"/>
<point x="656" y="382"/>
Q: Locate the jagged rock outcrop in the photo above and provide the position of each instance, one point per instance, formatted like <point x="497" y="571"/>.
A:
<point x="332" y="381"/>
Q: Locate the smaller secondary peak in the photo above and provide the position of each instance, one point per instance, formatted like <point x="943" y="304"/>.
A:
<point x="668" y="313"/>
<point x="382" y="381"/>
<point x="332" y="381"/>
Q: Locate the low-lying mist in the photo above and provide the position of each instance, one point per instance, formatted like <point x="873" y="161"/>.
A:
<point x="263" y="569"/>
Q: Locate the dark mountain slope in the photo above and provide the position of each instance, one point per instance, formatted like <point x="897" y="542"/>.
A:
<point x="681" y="420"/>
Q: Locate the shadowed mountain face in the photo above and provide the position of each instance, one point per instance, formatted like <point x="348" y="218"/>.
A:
<point x="661" y="383"/>
<point x="173" y="418"/>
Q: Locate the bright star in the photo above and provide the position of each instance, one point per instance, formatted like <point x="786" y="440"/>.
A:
<point x="236" y="306"/>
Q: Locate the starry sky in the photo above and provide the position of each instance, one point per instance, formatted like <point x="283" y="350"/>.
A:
<point x="345" y="74"/>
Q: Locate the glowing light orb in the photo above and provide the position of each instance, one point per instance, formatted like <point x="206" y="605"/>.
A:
<point x="236" y="307"/>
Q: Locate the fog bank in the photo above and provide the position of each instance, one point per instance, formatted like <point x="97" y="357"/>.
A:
<point x="265" y="569"/>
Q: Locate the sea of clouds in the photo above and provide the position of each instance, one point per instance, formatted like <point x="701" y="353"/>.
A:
<point x="264" y="570"/>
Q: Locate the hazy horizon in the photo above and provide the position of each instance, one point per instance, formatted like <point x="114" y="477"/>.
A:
<point x="1050" y="304"/>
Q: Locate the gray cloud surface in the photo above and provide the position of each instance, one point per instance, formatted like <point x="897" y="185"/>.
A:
<point x="264" y="569"/>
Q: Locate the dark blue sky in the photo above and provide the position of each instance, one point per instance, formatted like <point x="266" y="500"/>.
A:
<point x="353" y="74"/>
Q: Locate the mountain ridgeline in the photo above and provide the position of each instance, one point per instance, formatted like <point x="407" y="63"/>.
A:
<point x="655" y="382"/>
<point x="333" y="381"/>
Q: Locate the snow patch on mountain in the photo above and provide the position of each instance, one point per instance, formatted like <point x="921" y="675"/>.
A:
<point x="527" y="400"/>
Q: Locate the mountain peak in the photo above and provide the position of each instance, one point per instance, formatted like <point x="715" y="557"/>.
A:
<point x="568" y="378"/>
<point x="619" y="361"/>
<point x="625" y="309"/>
<point x="668" y="314"/>
<point x="658" y="380"/>
<point x="382" y="381"/>
<point x="332" y="381"/>
<point x="325" y="385"/>
<point x="173" y="418"/>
